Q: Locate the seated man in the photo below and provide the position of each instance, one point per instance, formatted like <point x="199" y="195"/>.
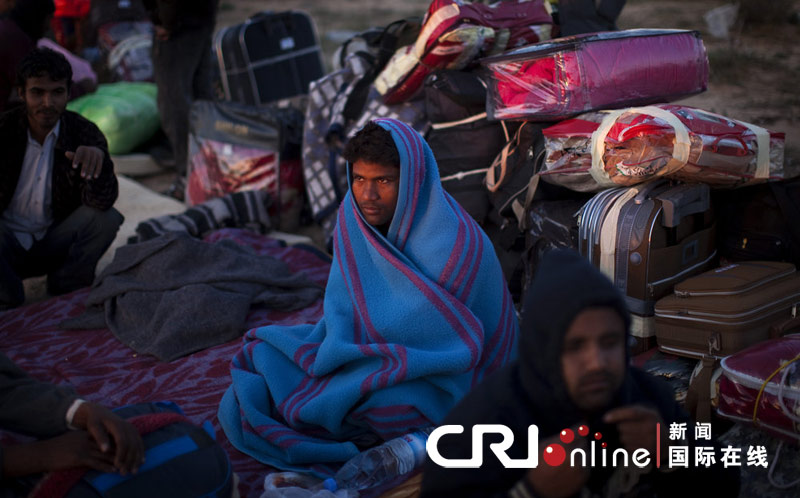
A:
<point x="416" y="313"/>
<point x="100" y="440"/>
<point x="573" y="374"/>
<point x="57" y="185"/>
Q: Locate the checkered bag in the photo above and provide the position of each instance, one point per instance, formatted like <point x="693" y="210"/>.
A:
<point x="326" y="130"/>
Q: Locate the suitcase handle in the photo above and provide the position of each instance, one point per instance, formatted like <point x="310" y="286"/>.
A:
<point x="780" y="329"/>
<point x="269" y="18"/>
<point x="683" y="201"/>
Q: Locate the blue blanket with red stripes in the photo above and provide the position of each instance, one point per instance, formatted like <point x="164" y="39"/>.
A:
<point x="412" y="321"/>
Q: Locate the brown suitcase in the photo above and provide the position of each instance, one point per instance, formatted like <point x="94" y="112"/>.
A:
<point x="646" y="239"/>
<point x="727" y="309"/>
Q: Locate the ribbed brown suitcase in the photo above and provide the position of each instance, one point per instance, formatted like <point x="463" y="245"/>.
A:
<point x="646" y="239"/>
<point x="727" y="309"/>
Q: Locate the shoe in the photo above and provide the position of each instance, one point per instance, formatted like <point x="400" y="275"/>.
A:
<point x="177" y="190"/>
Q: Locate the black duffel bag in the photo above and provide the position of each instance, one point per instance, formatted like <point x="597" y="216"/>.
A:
<point x="463" y="142"/>
<point x="760" y="222"/>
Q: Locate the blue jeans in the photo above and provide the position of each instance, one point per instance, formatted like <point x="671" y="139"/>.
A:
<point x="67" y="254"/>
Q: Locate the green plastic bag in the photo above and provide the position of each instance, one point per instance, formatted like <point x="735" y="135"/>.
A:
<point x="126" y="113"/>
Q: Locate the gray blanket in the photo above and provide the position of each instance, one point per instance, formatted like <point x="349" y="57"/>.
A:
<point x="173" y="295"/>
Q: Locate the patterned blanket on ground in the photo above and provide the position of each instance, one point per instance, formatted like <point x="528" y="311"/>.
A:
<point x="412" y="321"/>
<point x="102" y="369"/>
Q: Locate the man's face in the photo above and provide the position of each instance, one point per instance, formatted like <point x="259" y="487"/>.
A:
<point x="593" y="358"/>
<point x="45" y="101"/>
<point x="375" y="188"/>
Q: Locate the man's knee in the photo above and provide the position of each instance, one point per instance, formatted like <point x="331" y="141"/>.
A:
<point x="96" y="221"/>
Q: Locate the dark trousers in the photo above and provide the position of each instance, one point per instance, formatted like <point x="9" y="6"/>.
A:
<point x="67" y="254"/>
<point x="182" y="72"/>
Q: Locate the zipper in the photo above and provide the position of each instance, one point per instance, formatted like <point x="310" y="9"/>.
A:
<point x="679" y="275"/>
<point x="759" y="283"/>
<point x="688" y="315"/>
<point x="686" y="352"/>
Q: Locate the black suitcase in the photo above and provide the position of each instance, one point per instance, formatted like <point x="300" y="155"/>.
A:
<point x="269" y="57"/>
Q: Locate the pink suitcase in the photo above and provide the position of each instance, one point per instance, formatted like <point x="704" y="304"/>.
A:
<point x="567" y="76"/>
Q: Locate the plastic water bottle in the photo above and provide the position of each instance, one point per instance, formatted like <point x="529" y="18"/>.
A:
<point x="381" y="464"/>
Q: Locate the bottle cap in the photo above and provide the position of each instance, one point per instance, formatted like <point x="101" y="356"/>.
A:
<point x="330" y="484"/>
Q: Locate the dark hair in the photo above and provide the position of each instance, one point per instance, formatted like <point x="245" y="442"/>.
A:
<point x="44" y="61"/>
<point x="373" y="144"/>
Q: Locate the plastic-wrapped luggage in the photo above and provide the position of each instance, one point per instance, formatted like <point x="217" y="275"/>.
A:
<point x="629" y="146"/>
<point x="567" y="76"/>
<point x="454" y="34"/>
<point x="127" y="46"/>
<point x="761" y="385"/>
<point x="234" y="148"/>
<point x="125" y="112"/>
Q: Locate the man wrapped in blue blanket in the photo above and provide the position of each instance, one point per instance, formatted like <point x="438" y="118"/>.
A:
<point x="416" y="313"/>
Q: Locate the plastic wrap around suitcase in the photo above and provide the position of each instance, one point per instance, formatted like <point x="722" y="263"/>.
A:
<point x="269" y="57"/>
<point x="234" y="148"/>
<point x="727" y="309"/>
<point x="646" y="239"/>
<point x="761" y="385"/>
<point x="455" y="33"/>
<point x="598" y="150"/>
<point x="567" y="76"/>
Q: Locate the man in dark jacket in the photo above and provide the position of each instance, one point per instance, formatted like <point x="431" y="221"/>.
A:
<point x="182" y="69"/>
<point x="57" y="185"/>
<point x="99" y="439"/>
<point x="573" y="381"/>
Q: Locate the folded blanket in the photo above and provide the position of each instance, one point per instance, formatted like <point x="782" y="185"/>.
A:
<point x="247" y="209"/>
<point x="412" y="321"/>
<point x="173" y="295"/>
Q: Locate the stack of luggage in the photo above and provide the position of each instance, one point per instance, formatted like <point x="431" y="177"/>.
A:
<point x="573" y="142"/>
<point x="547" y="142"/>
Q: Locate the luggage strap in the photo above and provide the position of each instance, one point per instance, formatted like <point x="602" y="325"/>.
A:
<point x="59" y="482"/>
<point x="764" y="387"/>
<point x="452" y="124"/>
<point x="698" y="398"/>
<point x="494" y="182"/>
<point x="680" y="151"/>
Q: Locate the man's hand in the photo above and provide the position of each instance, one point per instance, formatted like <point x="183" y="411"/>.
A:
<point x="636" y="425"/>
<point x="564" y="480"/>
<point x="106" y="428"/>
<point x="162" y="33"/>
<point x="89" y="158"/>
<point x="70" y="450"/>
